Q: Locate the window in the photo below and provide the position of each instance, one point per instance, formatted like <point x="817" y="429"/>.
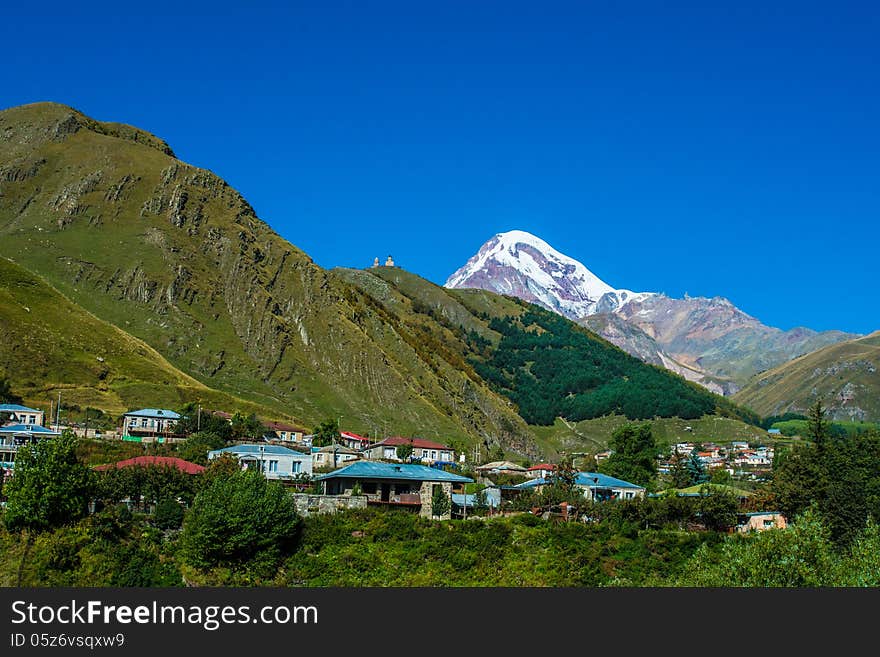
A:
<point x="33" y="419"/>
<point x="434" y="454"/>
<point x="369" y="488"/>
<point x="273" y="466"/>
<point x="132" y="422"/>
<point x="144" y="423"/>
<point x="294" y="467"/>
<point x="768" y="523"/>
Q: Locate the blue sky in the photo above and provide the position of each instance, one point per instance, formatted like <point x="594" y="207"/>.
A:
<point x="725" y="150"/>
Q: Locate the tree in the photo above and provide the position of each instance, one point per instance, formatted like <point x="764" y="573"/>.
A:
<point x="404" y="452"/>
<point x="678" y="472"/>
<point x="6" y="394"/>
<point x="440" y="502"/>
<point x="696" y="470"/>
<point x="50" y="486"/>
<point x="817" y="425"/>
<point x="564" y="474"/>
<point x="237" y="519"/>
<point x="195" y="448"/>
<point x="718" y="509"/>
<point x="634" y="455"/>
<point x="247" y="426"/>
<point x="327" y="433"/>
<point x="168" y="514"/>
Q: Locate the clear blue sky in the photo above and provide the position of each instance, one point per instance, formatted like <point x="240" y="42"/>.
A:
<point x="730" y="151"/>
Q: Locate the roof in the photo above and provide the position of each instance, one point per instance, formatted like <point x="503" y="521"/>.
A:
<point x="155" y="412"/>
<point x="421" y="443"/>
<point x="15" y="408"/>
<point x="762" y="513"/>
<point x="161" y="461"/>
<point x="281" y="426"/>
<point x="28" y="428"/>
<point x="588" y="479"/>
<point x="542" y="466"/>
<point x="275" y="450"/>
<point x="339" y="449"/>
<point x="501" y="465"/>
<point x="353" y="436"/>
<point x="471" y="500"/>
<point x="404" y="471"/>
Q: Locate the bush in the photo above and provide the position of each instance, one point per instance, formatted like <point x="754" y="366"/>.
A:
<point x="168" y="514"/>
<point x="237" y="519"/>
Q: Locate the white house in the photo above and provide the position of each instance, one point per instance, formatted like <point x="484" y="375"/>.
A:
<point x="274" y="461"/>
<point x="149" y="423"/>
<point x="333" y="456"/>
<point x="22" y="414"/>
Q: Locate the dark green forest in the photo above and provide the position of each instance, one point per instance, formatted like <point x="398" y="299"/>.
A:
<point x="550" y="367"/>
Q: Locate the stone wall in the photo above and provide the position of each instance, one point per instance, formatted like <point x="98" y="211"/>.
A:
<point x="307" y="505"/>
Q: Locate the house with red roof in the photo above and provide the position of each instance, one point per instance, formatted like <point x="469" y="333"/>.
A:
<point x="155" y="461"/>
<point x="353" y="440"/>
<point x="540" y="470"/>
<point x="424" y="450"/>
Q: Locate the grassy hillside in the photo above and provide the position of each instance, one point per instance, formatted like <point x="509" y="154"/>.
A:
<point x="48" y="345"/>
<point x="844" y="376"/>
<point x="175" y="257"/>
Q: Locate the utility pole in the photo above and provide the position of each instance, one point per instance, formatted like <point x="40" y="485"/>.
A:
<point x="58" y="416"/>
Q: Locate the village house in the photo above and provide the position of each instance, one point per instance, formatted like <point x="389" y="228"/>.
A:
<point x="353" y="440"/>
<point x="275" y="462"/>
<point x="426" y="451"/>
<point x="13" y="436"/>
<point x="284" y="432"/>
<point x="151" y="423"/>
<point x="18" y="414"/>
<point x="758" y="521"/>
<point x="595" y="486"/>
<point x="333" y="456"/>
<point x="404" y="486"/>
<point x="540" y="471"/>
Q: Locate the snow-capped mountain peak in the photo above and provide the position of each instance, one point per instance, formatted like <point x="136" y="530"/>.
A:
<point x="523" y="265"/>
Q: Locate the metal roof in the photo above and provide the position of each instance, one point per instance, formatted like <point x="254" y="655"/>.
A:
<point x="155" y="412"/>
<point x="404" y="471"/>
<point x="588" y="479"/>
<point x="15" y="408"/>
<point x="256" y="450"/>
<point x="29" y="428"/>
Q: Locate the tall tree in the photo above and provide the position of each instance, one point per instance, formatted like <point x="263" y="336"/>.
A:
<point x="678" y="471"/>
<point x="634" y="455"/>
<point x="440" y="502"/>
<point x="326" y="433"/>
<point x="696" y="470"/>
<point x="50" y="486"/>
<point x="818" y="427"/>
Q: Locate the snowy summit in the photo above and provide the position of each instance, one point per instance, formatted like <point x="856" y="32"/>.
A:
<point x="522" y="265"/>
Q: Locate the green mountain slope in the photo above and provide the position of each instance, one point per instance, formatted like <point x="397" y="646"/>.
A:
<point x="845" y="376"/>
<point x="52" y="346"/>
<point x="175" y="258"/>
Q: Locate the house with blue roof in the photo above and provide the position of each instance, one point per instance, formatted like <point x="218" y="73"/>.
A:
<point x="13" y="436"/>
<point x="595" y="486"/>
<point x="274" y="461"/>
<point x="18" y="414"/>
<point x="153" y="423"/>
<point x="408" y="486"/>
